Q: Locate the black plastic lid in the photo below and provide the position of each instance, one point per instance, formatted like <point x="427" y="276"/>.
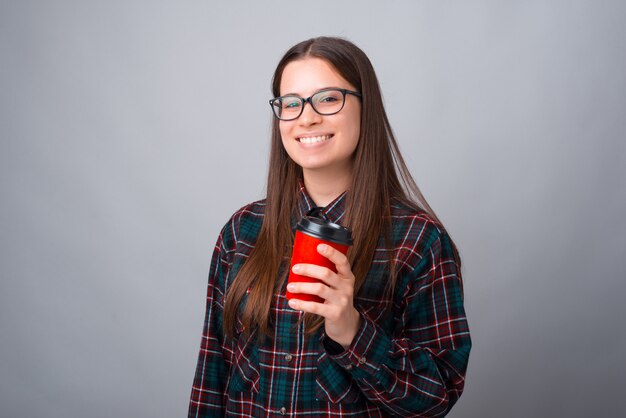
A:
<point x="322" y="229"/>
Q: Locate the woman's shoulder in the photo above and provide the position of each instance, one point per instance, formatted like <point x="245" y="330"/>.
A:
<point x="418" y="235"/>
<point x="251" y="211"/>
<point x="409" y="216"/>
<point x="244" y="222"/>
<point x="415" y="232"/>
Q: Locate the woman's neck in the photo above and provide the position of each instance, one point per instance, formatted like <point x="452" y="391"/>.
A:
<point x="324" y="187"/>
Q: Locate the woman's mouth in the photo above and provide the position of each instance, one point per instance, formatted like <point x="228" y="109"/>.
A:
<point x="313" y="139"/>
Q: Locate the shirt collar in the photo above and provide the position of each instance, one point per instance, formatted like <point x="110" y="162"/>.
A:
<point x="334" y="211"/>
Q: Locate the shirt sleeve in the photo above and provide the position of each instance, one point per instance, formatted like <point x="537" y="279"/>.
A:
<point x="419" y="368"/>
<point x="207" y="393"/>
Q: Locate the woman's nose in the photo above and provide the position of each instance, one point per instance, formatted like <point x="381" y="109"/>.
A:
<point x="309" y="116"/>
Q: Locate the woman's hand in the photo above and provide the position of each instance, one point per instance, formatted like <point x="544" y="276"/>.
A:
<point x="337" y="289"/>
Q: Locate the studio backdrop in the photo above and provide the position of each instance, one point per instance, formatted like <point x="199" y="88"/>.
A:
<point x="131" y="130"/>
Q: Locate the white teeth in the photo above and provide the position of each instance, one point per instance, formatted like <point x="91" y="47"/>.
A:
<point x="314" y="139"/>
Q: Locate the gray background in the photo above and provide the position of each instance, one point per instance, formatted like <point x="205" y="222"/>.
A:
<point x="132" y="130"/>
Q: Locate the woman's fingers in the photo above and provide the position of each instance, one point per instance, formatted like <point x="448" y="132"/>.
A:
<point x="328" y="311"/>
<point x="344" y="271"/>
<point x="317" y="272"/>
<point x="338" y="258"/>
<point x="318" y="289"/>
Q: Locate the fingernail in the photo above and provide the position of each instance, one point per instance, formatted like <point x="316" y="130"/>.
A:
<point x="296" y="268"/>
<point x="322" y="247"/>
<point x="293" y="304"/>
<point x="290" y="286"/>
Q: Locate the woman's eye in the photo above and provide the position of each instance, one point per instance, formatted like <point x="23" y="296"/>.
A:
<point x="291" y="105"/>
<point x="328" y="99"/>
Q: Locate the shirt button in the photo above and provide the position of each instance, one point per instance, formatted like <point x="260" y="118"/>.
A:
<point x="349" y="367"/>
<point x="288" y="357"/>
<point x="283" y="411"/>
<point x="362" y="360"/>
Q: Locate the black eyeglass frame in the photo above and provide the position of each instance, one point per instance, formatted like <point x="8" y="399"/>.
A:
<point x="308" y="100"/>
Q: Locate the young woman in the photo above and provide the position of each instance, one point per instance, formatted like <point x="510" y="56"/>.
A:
<point x="391" y="337"/>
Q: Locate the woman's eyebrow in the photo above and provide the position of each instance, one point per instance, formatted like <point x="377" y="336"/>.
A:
<point x="316" y="91"/>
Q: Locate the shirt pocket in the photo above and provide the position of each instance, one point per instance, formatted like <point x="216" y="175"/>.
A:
<point x="245" y="374"/>
<point x="334" y="383"/>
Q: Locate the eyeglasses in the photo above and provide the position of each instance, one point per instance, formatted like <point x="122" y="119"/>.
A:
<point x="324" y="102"/>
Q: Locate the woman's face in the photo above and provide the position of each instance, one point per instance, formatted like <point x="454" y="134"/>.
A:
<point x="317" y="143"/>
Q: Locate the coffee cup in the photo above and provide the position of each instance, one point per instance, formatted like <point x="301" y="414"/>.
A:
<point x="312" y="231"/>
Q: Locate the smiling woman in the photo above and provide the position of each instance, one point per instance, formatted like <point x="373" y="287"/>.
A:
<point x="386" y="334"/>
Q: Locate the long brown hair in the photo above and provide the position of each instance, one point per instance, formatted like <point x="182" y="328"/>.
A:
<point x="379" y="174"/>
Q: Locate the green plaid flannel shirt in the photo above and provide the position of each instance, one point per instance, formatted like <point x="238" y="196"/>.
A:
<point x="409" y="356"/>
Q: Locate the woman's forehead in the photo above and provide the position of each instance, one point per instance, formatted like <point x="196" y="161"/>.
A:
<point x="308" y="75"/>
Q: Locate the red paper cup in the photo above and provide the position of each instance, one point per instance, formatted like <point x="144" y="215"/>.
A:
<point x="310" y="233"/>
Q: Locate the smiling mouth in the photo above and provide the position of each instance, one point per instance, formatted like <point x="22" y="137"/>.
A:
<point x="313" y="139"/>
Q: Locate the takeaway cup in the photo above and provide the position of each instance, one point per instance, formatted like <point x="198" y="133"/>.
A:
<point x="310" y="232"/>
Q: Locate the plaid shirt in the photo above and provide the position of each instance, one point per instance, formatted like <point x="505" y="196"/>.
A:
<point x="408" y="358"/>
